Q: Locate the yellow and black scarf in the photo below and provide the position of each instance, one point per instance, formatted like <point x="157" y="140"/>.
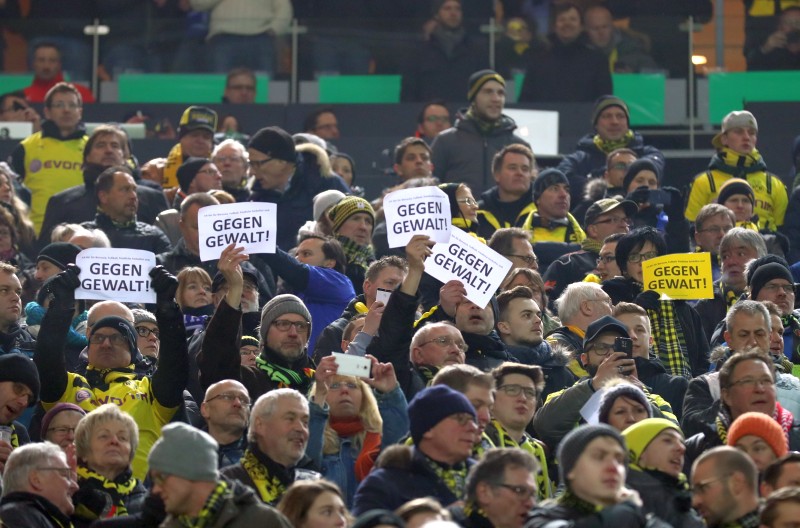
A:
<point x="608" y="145"/>
<point x="454" y="477"/>
<point x="117" y="490"/>
<point x="210" y="510"/>
<point x="500" y="438"/>
<point x="270" y="480"/>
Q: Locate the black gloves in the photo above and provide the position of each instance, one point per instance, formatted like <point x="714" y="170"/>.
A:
<point x="165" y="284"/>
<point x="648" y="300"/>
<point x="676" y="206"/>
<point x="63" y="285"/>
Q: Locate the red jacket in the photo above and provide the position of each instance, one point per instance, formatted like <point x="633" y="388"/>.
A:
<point x="38" y="89"/>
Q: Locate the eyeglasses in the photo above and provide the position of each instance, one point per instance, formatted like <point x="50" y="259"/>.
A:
<point x="701" y="487"/>
<point x="523" y="492"/>
<point x="462" y="418"/>
<point x="641" y="257"/>
<point x="209" y="171"/>
<point x="788" y="289"/>
<point x="61" y="430"/>
<point x="143" y="331"/>
<point x="437" y="119"/>
<point x="468" y="201"/>
<point x="230" y="397"/>
<point x="715" y="229"/>
<point x="61" y="106"/>
<point x="64" y="472"/>
<point x="515" y="390"/>
<point x="446" y="341"/>
<point x="246" y="352"/>
<point x="601" y="349"/>
<point x="284" y="324"/>
<point x="530" y="260"/>
<point x="751" y="383"/>
<point x="114" y="339"/>
<point x="608" y="259"/>
<point x="620" y="166"/>
<point x="225" y="159"/>
<point x="338" y="385"/>
<point x="614" y="220"/>
<point x="259" y="163"/>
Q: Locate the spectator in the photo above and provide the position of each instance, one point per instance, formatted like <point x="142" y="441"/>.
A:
<point x="38" y="486"/>
<point x="352" y="220"/>
<point x="184" y="468"/>
<point x="412" y="159"/>
<point x="569" y="71"/>
<point x="284" y="332"/>
<point x="737" y="196"/>
<point x="277" y="439"/>
<point x="242" y="33"/>
<point x="321" y="224"/>
<point x="233" y="161"/>
<point x="60" y="423"/>
<point x="514" y="244"/>
<point x="501" y="490"/>
<point x="478" y="387"/>
<point x="737" y="502"/>
<point x="627" y="52"/>
<point x="656" y="448"/>
<point x="577" y="310"/>
<point x="658" y="208"/>
<point x="759" y="437"/>
<point x="352" y="421"/>
<point x="290" y="178"/>
<point x="611" y="123"/>
<point x="782" y="473"/>
<point x="14" y="337"/>
<point x="117" y="205"/>
<point x="108" y="146"/>
<point x="62" y="137"/>
<point x="46" y="66"/>
<point x="309" y="502"/>
<point x="592" y="464"/>
<point x="712" y="223"/>
<point x="780" y="508"/>
<point x="10" y="250"/>
<point x="112" y="346"/>
<point x="226" y="412"/>
<point x="554" y="231"/>
<point x="17" y="208"/>
<point x="322" y="122"/>
<point x="607" y="261"/>
<point x="196" y="175"/>
<point x="683" y="352"/>
<point x="439" y="66"/>
<point x="463" y="153"/>
<point x="194" y="298"/>
<point x="517" y="46"/>
<point x="609" y="183"/>
<point x="510" y="200"/>
<point x="605" y="217"/>
<point x="19" y="390"/>
<point x="240" y="87"/>
<point x="417" y="512"/>
<point x="195" y="138"/>
<point x="443" y="430"/>
<point x="432" y="119"/>
<point x="737" y="157"/>
<point x="106" y="440"/>
<point x="781" y="50"/>
<point x="14" y="107"/>
<point x="344" y="165"/>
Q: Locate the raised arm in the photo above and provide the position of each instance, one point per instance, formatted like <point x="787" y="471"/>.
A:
<point x="172" y="375"/>
<point x="291" y="270"/>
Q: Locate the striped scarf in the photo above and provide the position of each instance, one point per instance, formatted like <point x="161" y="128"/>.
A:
<point x="455" y="477"/>
<point x="117" y="490"/>
<point x="356" y="253"/>
<point x="269" y="487"/>
<point x="500" y="438"/>
<point x="286" y="377"/>
<point x="608" y="145"/>
<point x="669" y="338"/>
<point x="211" y="508"/>
<point x="750" y="520"/>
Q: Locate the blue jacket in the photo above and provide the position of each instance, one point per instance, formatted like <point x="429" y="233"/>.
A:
<point x="340" y="467"/>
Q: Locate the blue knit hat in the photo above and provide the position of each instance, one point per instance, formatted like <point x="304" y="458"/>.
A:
<point x="432" y="405"/>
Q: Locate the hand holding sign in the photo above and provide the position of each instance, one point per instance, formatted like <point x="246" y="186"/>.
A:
<point x="116" y="274"/>
<point x="230" y="265"/>
<point x="418" y="249"/>
<point x="420" y="211"/>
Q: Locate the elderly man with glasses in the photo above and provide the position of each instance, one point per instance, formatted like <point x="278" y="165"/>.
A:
<point x="226" y="410"/>
<point x="725" y="488"/>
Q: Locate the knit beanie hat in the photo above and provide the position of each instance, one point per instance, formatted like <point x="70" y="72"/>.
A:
<point x="432" y="405"/>
<point x="59" y="254"/>
<point x="278" y="306"/>
<point x="767" y="272"/>
<point x="248" y="340"/>
<point x="606" y="101"/>
<point x="622" y="390"/>
<point x="761" y="425"/>
<point x="478" y="79"/>
<point x="275" y="142"/>
<point x="639" y="435"/>
<point x="124" y="327"/>
<point x="49" y="415"/>
<point x="635" y="168"/>
<point x="324" y="200"/>
<point x="547" y="178"/>
<point x="735" y="186"/>
<point x="577" y="440"/>
<point x="347" y="207"/>
<point x="20" y="369"/>
<point x="186" y="452"/>
<point x="188" y="170"/>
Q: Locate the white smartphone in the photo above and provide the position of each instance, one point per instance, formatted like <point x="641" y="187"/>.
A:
<point x="360" y="367"/>
<point x="382" y="295"/>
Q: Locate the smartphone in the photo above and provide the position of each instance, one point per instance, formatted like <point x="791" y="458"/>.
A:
<point x="624" y="344"/>
<point x="657" y="196"/>
<point x="349" y="365"/>
<point x="382" y="295"/>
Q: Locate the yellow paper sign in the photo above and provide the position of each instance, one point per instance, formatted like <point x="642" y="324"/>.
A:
<point x="680" y="276"/>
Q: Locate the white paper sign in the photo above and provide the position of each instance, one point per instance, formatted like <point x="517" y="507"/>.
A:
<point x="480" y="268"/>
<point x="417" y="211"/>
<point x="116" y="274"/>
<point x="591" y="409"/>
<point x="251" y="225"/>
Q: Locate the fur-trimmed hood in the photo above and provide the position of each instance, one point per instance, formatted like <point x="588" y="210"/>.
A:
<point x="323" y="160"/>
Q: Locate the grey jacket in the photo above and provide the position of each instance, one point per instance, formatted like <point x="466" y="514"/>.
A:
<point x="463" y="154"/>
<point x="241" y="510"/>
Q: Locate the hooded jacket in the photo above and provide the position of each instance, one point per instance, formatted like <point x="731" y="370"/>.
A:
<point x="464" y="154"/>
<point x="495" y="214"/>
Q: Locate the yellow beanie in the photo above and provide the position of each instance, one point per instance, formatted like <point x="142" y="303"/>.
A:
<point x="639" y="435"/>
